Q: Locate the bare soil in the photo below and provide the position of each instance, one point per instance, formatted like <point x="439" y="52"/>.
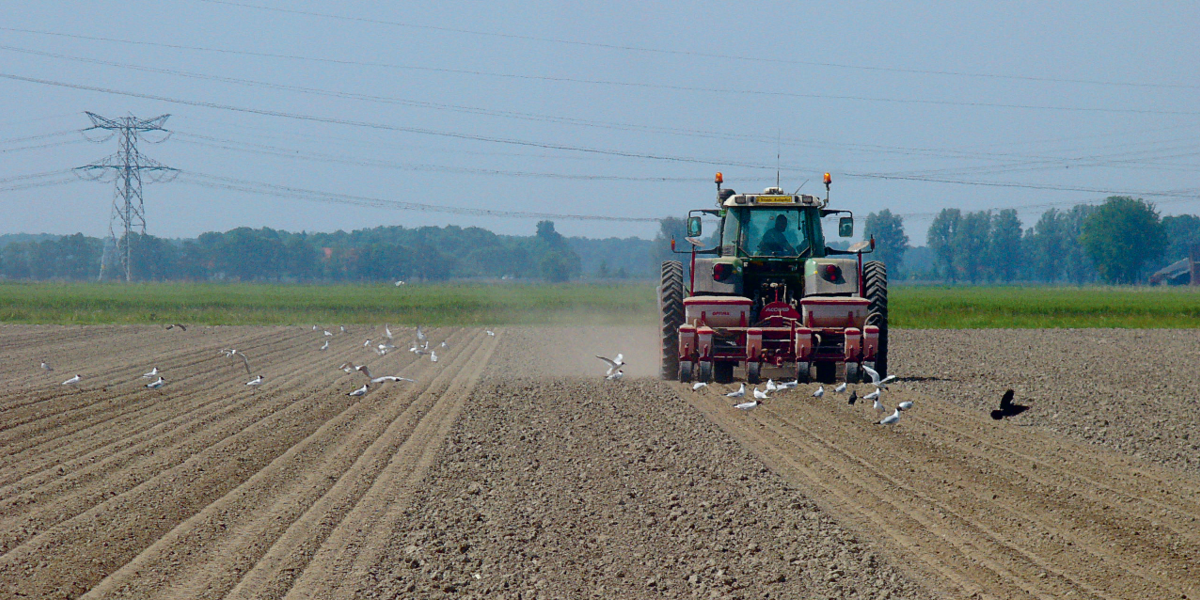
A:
<point x="511" y="469"/>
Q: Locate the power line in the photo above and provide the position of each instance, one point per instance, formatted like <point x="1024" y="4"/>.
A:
<point x="697" y="54"/>
<point x="728" y="91"/>
<point x="256" y="187"/>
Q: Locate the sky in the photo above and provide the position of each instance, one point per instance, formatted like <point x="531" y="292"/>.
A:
<point x="600" y="116"/>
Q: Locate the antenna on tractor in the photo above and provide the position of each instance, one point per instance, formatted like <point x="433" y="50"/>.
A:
<point x="777" y="145"/>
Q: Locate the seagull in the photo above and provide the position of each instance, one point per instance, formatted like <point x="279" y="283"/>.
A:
<point x="873" y="395"/>
<point x="760" y="395"/>
<point x="363" y="369"/>
<point x="256" y="381"/>
<point x="786" y="386"/>
<point x="891" y="419"/>
<point x="741" y="391"/>
<point x="841" y="388"/>
<point x="347" y="367"/>
<point x="399" y="282"/>
<point x="230" y="353"/>
<point x="699" y="384"/>
<point x="820" y="392"/>
<point x="46" y="366"/>
<point x="614" y="364"/>
<point x="343" y="328"/>
<point x="153" y="372"/>
<point x="907" y="404"/>
<point x="327" y="334"/>
<point x="367" y="344"/>
<point x="853" y="397"/>
<point x="74" y="380"/>
<point x="359" y="392"/>
<point x="878" y="405"/>
<point x="433" y="357"/>
<point x="420" y="334"/>
<point x="874" y="375"/>
<point x="771" y="386"/>
<point x="315" y="328"/>
<point x="392" y="378"/>
<point x="491" y="333"/>
<point x="444" y="345"/>
<point x="1007" y="408"/>
<point x="154" y="385"/>
<point x="616" y="376"/>
<point x="326" y="345"/>
<point x="178" y="326"/>
<point x="387" y="331"/>
<point x="747" y="405"/>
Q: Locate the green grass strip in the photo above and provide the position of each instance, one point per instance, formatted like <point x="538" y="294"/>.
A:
<point x="913" y="307"/>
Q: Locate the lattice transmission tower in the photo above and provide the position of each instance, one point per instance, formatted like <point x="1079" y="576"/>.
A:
<point x="127" y="168"/>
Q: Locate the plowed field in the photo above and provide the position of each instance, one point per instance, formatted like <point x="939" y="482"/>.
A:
<point x="510" y="469"/>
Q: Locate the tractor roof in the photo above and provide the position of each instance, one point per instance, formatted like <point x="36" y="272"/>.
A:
<point x="773" y="197"/>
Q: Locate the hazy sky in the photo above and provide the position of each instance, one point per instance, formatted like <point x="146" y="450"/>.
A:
<point x="594" y="108"/>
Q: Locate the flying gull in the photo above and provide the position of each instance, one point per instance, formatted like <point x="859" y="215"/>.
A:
<point x="614" y="364"/>
<point x="874" y="375"/>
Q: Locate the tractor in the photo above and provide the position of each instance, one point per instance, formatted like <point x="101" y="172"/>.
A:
<point x="771" y="293"/>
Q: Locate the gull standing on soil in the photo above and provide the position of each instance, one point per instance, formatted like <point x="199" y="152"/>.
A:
<point x="491" y="333"/>
<point x="46" y="366"/>
<point x="873" y="395"/>
<point x="783" y="387"/>
<point x="359" y="392"/>
<point x="820" y="392"/>
<point x="256" y="381"/>
<point x="154" y="385"/>
<point x="699" y="384"/>
<point x="841" y="388"/>
<point x="74" y="380"/>
<point x="433" y="356"/>
<point x="367" y="344"/>
<point x="153" y="373"/>
<point x="741" y="391"/>
<point x="327" y="334"/>
<point x="853" y="397"/>
<point x="760" y="395"/>
<point x="771" y="386"/>
<point x="747" y="405"/>
<point x="617" y="376"/>
<point x="907" y="404"/>
<point x="891" y="419"/>
<point x="874" y="375"/>
<point x="614" y="364"/>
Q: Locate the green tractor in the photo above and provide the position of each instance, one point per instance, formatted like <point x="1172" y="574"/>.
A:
<point x="771" y="293"/>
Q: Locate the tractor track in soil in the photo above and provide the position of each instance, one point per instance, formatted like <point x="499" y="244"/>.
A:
<point x="501" y="475"/>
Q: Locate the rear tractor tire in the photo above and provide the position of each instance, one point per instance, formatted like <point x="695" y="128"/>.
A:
<point x="704" y="371"/>
<point x="685" y="371"/>
<point x="875" y="284"/>
<point x="803" y="372"/>
<point x="723" y="372"/>
<point x="670" y="309"/>
<point x="753" y="372"/>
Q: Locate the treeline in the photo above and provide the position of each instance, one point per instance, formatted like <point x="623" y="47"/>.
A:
<point x="1121" y="241"/>
<point x="365" y="255"/>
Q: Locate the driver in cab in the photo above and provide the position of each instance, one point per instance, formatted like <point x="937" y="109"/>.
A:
<point x="775" y="242"/>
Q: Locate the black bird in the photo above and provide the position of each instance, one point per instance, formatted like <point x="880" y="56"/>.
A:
<point x="1007" y="408"/>
<point x="853" y="397"/>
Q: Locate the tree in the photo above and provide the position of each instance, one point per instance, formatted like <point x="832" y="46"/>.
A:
<point x="1183" y="232"/>
<point x="555" y="267"/>
<point x="890" y="240"/>
<point x="1121" y="236"/>
<point x="1078" y="267"/>
<point x="940" y="238"/>
<point x="1004" y="251"/>
<point x="971" y="245"/>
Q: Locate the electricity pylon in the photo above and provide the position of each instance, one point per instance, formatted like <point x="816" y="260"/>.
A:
<point x="126" y="168"/>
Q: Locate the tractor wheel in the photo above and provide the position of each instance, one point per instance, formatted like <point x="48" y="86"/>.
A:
<point x="753" y="372"/>
<point x="723" y="372"/>
<point x="685" y="371"/>
<point x="875" y="283"/>
<point x="704" y="371"/>
<point x="853" y="372"/>
<point x="803" y="372"/>
<point x="670" y="309"/>
<point x="826" y="371"/>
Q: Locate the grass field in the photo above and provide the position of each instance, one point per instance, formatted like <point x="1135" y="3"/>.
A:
<point x="483" y="304"/>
